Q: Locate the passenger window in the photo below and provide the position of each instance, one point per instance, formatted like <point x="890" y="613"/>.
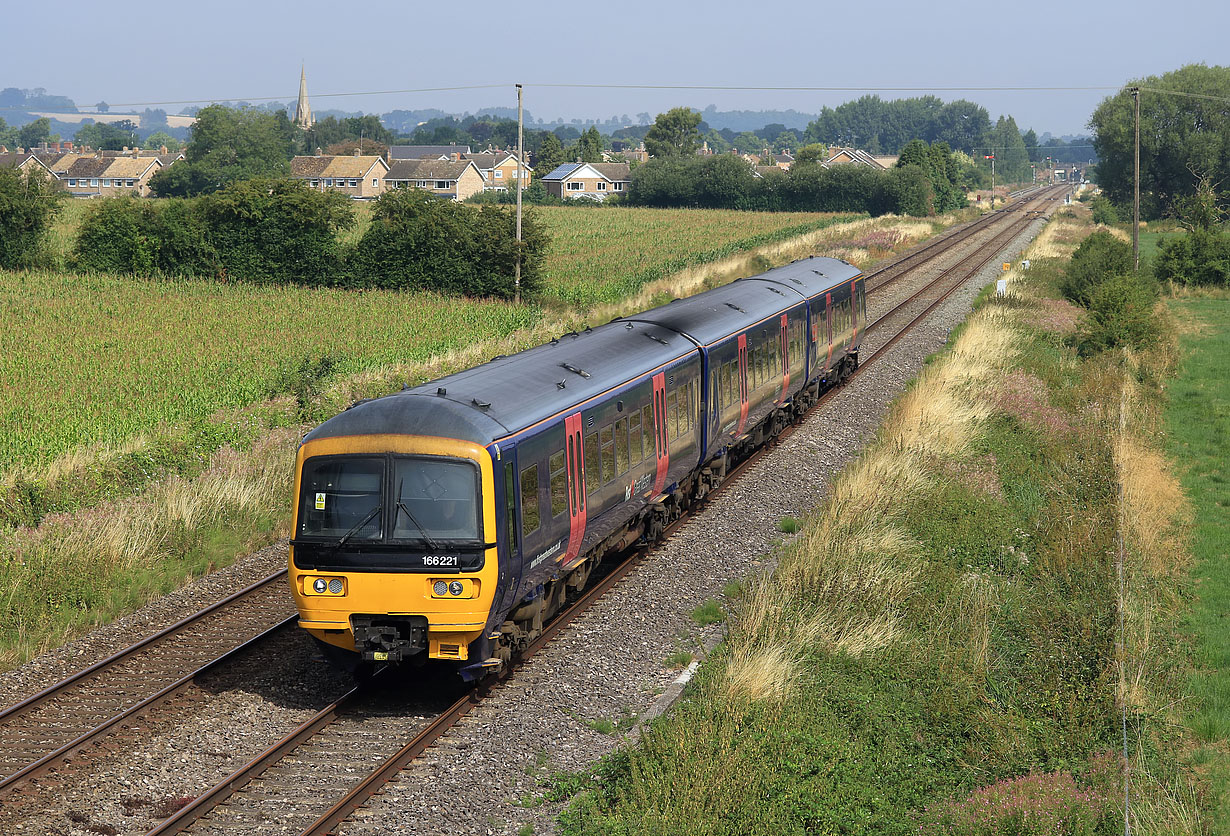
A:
<point x="559" y="483"/>
<point x="593" y="474"/>
<point x="672" y="414"/>
<point x="607" y="439"/>
<point x="651" y="432"/>
<point x="529" y="500"/>
<point x="621" y="446"/>
<point x="634" y="438"/>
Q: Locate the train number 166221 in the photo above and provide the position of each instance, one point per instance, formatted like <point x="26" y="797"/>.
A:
<point x="441" y="560"/>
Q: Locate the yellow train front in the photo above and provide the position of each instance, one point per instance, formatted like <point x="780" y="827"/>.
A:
<point x="394" y="555"/>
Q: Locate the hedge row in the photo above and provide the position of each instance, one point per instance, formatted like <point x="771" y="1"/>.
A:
<point x="724" y="181"/>
<point x="282" y="232"/>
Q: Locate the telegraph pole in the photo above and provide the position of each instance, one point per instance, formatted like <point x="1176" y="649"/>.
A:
<point x="1136" y="195"/>
<point x="520" y="174"/>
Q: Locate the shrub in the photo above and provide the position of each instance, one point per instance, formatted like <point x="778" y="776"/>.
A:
<point x="1099" y="257"/>
<point x="28" y="204"/>
<point x="1104" y="212"/>
<point x="1120" y="314"/>
<point x="418" y="241"/>
<point x="277" y="231"/>
<point x="142" y="237"/>
<point x="1201" y="257"/>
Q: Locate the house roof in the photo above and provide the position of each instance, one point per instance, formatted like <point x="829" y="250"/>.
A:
<point x="340" y="165"/>
<point x="88" y="167"/>
<point x="607" y="171"/>
<point x="853" y="155"/>
<point x="491" y="159"/>
<point x="429" y="169"/>
<point x="309" y="166"/>
<point x="129" y="167"/>
<point x="418" y="152"/>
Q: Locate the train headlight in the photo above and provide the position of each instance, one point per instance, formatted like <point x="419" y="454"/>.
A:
<point x="335" y="586"/>
<point x="456" y="588"/>
<point x="320" y="585"/>
<point x="440" y="588"/>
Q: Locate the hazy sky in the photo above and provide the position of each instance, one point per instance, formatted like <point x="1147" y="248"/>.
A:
<point x="230" y="50"/>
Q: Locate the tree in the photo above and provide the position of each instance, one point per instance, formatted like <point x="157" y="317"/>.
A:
<point x="107" y="136"/>
<point x="102" y="107"/>
<point x="1182" y="138"/>
<point x="1031" y="146"/>
<point x="228" y="145"/>
<point x="34" y="133"/>
<point x="812" y="154"/>
<point x="28" y="204"/>
<point x="589" y="146"/>
<point x="159" y="139"/>
<point x="550" y="155"/>
<point x="674" y="133"/>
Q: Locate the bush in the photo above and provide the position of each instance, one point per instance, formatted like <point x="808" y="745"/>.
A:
<point x="277" y="231"/>
<point x="1104" y="212"/>
<point x="1099" y="257"/>
<point x="28" y="205"/>
<point x="1120" y="314"/>
<point x="1201" y="257"/>
<point x="418" y="241"/>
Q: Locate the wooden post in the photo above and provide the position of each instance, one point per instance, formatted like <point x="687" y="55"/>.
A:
<point x="520" y="174"/>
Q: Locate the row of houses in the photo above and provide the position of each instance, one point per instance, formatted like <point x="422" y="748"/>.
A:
<point x="450" y="171"/>
<point x="88" y="173"/>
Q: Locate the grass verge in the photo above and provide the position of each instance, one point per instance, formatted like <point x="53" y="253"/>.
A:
<point x="939" y="649"/>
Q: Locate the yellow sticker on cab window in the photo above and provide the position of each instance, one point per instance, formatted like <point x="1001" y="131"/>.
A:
<point x="320" y="502"/>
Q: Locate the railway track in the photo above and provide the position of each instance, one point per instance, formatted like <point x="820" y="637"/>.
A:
<point x="42" y="731"/>
<point x="268" y="790"/>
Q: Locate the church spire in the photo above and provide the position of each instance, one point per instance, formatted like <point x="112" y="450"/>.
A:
<point x="303" y="111"/>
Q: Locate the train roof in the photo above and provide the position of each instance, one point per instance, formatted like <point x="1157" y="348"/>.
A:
<point x="509" y="394"/>
<point x="718" y="313"/>
<point x="811" y="276"/>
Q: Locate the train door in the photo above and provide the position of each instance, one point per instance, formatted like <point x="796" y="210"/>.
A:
<point x="574" y="460"/>
<point x="510" y="561"/>
<point x="785" y="349"/>
<point x="742" y="385"/>
<point x="854" y="312"/>
<point x="661" y="440"/>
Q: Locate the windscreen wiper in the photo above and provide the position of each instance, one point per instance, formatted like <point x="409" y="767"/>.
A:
<point x="370" y="514"/>
<point x="401" y="506"/>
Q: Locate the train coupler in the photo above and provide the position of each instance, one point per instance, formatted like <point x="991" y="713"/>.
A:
<point x="385" y="639"/>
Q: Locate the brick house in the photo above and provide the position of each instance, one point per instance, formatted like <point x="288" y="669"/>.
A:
<point x="454" y="179"/>
<point x="499" y="169"/>
<point x="592" y="181"/>
<point x="359" y="176"/>
<point x="100" y="175"/>
<point x="24" y="161"/>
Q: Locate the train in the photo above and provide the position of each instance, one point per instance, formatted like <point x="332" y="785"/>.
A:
<point x="445" y="523"/>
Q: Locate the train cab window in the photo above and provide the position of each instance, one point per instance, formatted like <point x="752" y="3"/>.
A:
<point x="559" y="483"/>
<point x="650" y="430"/>
<point x="529" y="500"/>
<point x="634" y="438"/>
<point x="593" y="472"/>
<point x="606" y="438"/>
<point x="621" y="446"/>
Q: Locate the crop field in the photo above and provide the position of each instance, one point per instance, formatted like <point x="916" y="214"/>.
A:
<point x="96" y="360"/>
<point x="601" y="255"/>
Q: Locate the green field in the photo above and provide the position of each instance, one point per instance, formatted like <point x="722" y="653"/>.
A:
<point x="1198" y="422"/>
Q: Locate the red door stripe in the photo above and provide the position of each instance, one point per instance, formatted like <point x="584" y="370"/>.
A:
<point x="785" y="359"/>
<point x="659" y="423"/>
<point x="742" y="385"/>
<point x="576" y="486"/>
<point x="828" y="324"/>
